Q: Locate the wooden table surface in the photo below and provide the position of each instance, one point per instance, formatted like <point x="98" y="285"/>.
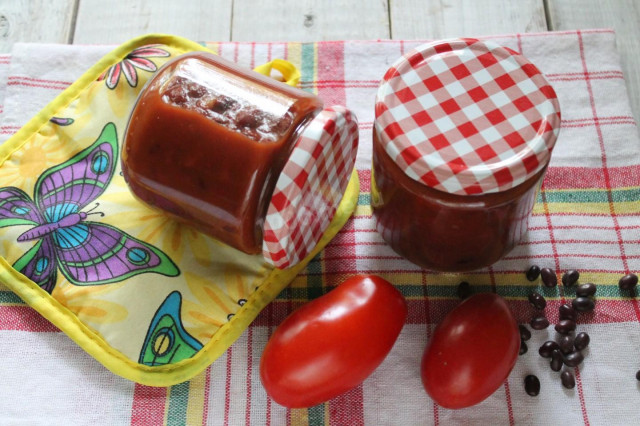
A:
<point x="113" y="22"/>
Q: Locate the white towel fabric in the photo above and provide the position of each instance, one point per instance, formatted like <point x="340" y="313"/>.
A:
<point x="46" y="379"/>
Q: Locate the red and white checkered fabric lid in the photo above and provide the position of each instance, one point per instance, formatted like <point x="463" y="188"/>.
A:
<point x="310" y="187"/>
<point x="467" y="117"/>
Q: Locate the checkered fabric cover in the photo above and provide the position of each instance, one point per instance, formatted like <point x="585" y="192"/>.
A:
<point x="310" y="187"/>
<point x="467" y="117"/>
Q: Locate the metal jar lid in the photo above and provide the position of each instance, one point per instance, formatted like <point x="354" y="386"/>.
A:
<point x="310" y="187"/>
<point x="467" y="117"/>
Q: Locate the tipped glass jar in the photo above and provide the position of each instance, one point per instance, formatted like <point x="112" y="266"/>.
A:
<point x="252" y="162"/>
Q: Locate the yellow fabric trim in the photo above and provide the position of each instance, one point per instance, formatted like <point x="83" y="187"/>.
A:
<point x="79" y="332"/>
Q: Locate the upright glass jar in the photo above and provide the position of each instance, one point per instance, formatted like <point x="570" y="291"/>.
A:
<point x="462" y="137"/>
<point x="255" y="163"/>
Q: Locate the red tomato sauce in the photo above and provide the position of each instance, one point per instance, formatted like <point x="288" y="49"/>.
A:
<point x="443" y="231"/>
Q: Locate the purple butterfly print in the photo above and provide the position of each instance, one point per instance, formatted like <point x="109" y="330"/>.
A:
<point x="86" y="252"/>
<point x="16" y="208"/>
<point x="137" y="58"/>
<point x="61" y="121"/>
<point x="42" y="269"/>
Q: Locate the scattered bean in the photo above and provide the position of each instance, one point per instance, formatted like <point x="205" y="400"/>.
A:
<point x="532" y="385"/>
<point x="628" y="282"/>
<point x="464" y="290"/>
<point x="556" y="360"/>
<point x="567" y="349"/>
<point x="537" y="300"/>
<point x="565" y="326"/>
<point x="567" y="379"/>
<point x="583" y="304"/>
<point x="525" y="334"/>
<point x="547" y="348"/>
<point x="586" y="290"/>
<point x="573" y="359"/>
<point x="533" y="273"/>
<point x="539" y="323"/>
<point x="549" y="278"/>
<point x="570" y="277"/>
<point x="581" y="341"/>
<point x="638" y="375"/>
<point x="566" y="311"/>
<point x="566" y="344"/>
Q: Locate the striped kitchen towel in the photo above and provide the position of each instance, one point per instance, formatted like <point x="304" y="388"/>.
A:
<point x="587" y="217"/>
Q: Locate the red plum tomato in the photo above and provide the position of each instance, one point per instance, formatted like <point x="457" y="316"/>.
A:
<point x="333" y="343"/>
<point x="471" y="352"/>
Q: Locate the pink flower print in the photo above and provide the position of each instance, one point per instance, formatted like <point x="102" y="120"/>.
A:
<point x="137" y="58"/>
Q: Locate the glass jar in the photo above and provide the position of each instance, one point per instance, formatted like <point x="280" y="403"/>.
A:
<point x="462" y="137"/>
<point x="218" y="147"/>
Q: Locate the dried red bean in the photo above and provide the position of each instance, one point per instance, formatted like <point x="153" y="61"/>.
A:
<point x="249" y="118"/>
<point x="556" y="360"/>
<point x="547" y="348"/>
<point x="628" y="282"/>
<point x="539" y="323"/>
<point x="573" y="359"/>
<point x="549" y="278"/>
<point x="464" y="290"/>
<point x="566" y="344"/>
<point x="583" y="304"/>
<point x="638" y="375"/>
<point x="523" y="347"/>
<point x="220" y="104"/>
<point x="581" y="341"/>
<point x="586" y="290"/>
<point x="196" y="91"/>
<point x="566" y="311"/>
<point x="176" y="95"/>
<point x="532" y="385"/>
<point x="567" y="379"/>
<point x="570" y="277"/>
<point x="565" y="326"/>
<point x="533" y="273"/>
<point x="537" y="300"/>
<point x="525" y="334"/>
<point x="284" y="123"/>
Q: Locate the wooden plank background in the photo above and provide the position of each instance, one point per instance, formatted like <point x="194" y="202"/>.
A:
<point x="100" y="21"/>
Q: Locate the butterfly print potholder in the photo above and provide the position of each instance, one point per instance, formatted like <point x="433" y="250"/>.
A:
<point x="150" y="298"/>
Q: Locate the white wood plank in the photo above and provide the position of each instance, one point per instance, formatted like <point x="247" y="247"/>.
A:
<point x="621" y="15"/>
<point x="309" y="20"/>
<point x="35" y="21"/>
<point x="437" y="19"/>
<point x="115" y="22"/>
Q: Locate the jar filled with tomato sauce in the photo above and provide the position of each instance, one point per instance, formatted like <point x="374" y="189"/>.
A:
<point x="256" y="164"/>
<point x="462" y="137"/>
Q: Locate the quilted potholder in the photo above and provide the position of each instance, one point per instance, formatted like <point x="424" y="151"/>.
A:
<point x="150" y="298"/>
